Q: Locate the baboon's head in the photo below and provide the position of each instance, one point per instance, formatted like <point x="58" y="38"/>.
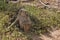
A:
<point x="23" y="12"/>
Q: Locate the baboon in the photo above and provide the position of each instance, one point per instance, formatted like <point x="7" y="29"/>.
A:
<point x="24" y="20"/>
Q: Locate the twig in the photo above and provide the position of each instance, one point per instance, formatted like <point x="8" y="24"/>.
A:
<point x="13" y="23"/>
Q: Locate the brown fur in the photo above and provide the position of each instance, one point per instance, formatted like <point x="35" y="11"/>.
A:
<point x="24" y="20"/>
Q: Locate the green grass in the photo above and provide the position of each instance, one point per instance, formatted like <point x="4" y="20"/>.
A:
<point x="44" y="18"/>
<point x="3" y="5"/>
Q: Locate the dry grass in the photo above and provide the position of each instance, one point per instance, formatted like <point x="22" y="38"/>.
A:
<point x="53" y="35"/>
